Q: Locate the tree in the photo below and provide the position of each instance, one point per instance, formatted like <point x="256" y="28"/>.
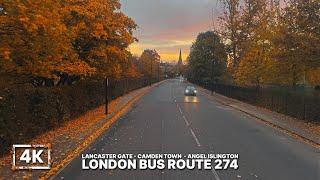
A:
<point x="313" y="76"/>
<point x="207" y="55"/>
<point x="255" y="62"/>
<point x="269" y="44"/>
<point x="102" y="34"/>
<point x="34" y="42"/>
<point x="150" y="60"/>
<point x="132" y="68"/>
<point x="298" y="40"/>
<point x="230" y="30"/>
<point x="256" y="67"/>
<point x="54" y="42"/>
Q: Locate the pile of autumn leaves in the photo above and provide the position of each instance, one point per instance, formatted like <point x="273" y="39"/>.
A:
<point x="55" y="38"/>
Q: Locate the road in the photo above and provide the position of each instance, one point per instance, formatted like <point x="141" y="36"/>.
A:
<point x="165" y="121"/>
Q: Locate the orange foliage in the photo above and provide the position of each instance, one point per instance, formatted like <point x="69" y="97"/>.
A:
<point x="103" y="34"/>
<point x="45" y="38"/>
<point x="132" y="71"/>
<point x="35" y="41"/>
<point x="314" y="76"/>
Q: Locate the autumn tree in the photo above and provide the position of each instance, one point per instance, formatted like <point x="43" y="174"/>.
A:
<point x="34" y="42"/>
<point x="298" y="41"/>
<point x="207" y="59"/>
<point x="54" y="42"/>
<point x="150" y="60"/>
<point x="131" y="68"/>
<point x="272" y="44"/>
<point x="313" y="76"/>
<point x="102" y="34"/>
<point x="230" y="28"/>
<point x="255" y="62"/>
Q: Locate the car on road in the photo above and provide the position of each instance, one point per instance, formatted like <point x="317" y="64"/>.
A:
<point x="190" y="91"/>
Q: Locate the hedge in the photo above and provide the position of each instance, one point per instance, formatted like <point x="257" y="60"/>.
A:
<point x="28" y="112"/>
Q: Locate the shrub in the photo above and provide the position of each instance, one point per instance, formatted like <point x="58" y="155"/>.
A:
<point x="28" y="112"/>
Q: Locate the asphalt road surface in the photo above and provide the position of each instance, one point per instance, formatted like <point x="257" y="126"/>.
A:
<point x="165" y="121"/>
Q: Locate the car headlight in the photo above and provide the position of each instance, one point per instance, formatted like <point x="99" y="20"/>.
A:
<point x="195" y="91"/>
<point x="187" y="91"/>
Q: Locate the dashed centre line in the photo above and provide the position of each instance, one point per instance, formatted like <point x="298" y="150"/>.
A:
<point x="214" y="172"/>
<point x="185" y="120"/>
<point x="188" y="125"/>
<point x="195" y="137"/>
<point x="180" y="109"/>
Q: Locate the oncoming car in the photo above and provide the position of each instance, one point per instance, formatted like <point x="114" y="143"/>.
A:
<point x="190" y="91"/>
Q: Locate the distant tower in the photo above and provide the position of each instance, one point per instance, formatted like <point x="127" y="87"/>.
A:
<point x="179" y="65"/>
<point x="180" y="59"/>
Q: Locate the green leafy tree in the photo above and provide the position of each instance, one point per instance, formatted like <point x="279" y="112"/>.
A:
<point x="207" y="59"/>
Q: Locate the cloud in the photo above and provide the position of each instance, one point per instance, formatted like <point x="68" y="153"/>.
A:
<point x="168" y="25"/>
<point x="168" y="50"/>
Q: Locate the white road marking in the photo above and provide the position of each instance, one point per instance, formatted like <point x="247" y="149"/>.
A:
<point x="180" y="110"/>
<point x="185" y="120"/>
<point x="195" y="137"/>
<point x="215" y="174"/>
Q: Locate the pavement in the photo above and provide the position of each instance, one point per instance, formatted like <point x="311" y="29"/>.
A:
<point x="165" y="121"/>
<point x="74" y="136"/>
<point x="307" y="130"/>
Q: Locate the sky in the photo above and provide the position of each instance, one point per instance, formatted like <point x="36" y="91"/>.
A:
<point x="168" y="25"/>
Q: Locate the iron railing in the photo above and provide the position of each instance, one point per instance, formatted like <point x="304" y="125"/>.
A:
<point x="300" y="104"/>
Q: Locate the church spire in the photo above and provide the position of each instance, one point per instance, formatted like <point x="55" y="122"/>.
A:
<point x="179" y="65"/>
<point x="180" y="59"/>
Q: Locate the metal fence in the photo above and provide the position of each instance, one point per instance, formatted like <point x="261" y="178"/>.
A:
<point x="300" y="104"/>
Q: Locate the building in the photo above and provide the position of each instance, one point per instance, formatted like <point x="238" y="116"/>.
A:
<point x="180" y="64"/>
